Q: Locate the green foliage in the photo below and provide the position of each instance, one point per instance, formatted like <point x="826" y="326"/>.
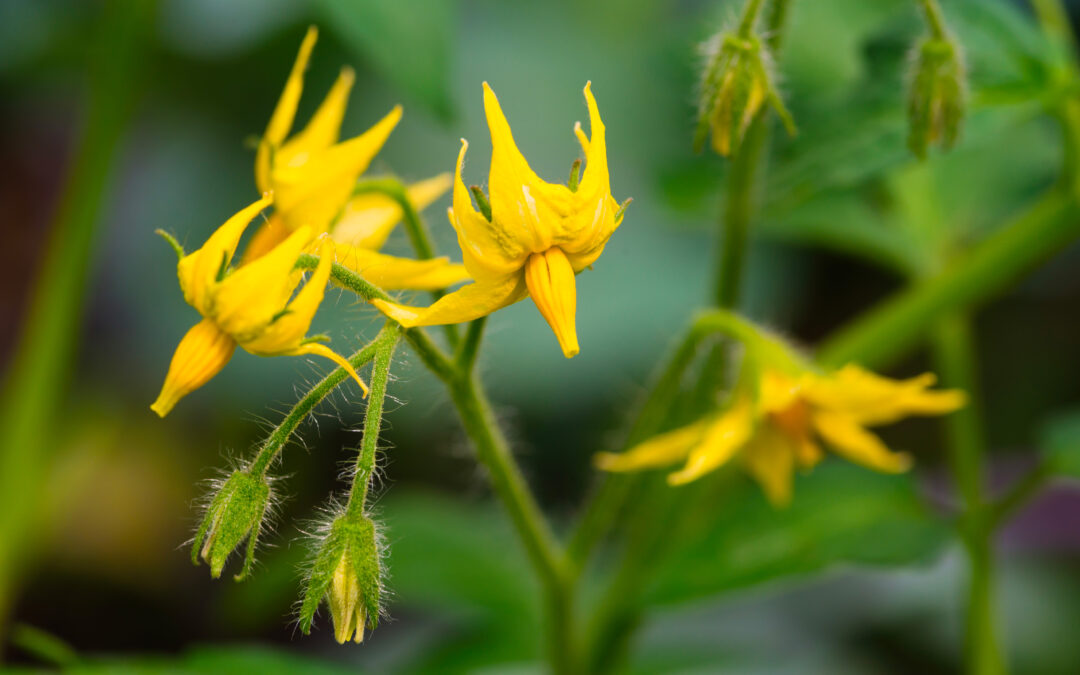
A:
<point x="1061" y="445"/>
<point x="236" y="513"/>
<point x="841" y="514"/>
<point x="407" y="40"/>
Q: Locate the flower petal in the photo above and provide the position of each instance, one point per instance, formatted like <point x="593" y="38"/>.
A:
<point x="722" y="439"/>
<point x="323" y="129"/>
<point x="487" y="250"/>
<point x="769" y="458"/>
<point x="319" y="349"/>
<point x="249" y="299"/>
<point x="391" y="272"/>
<point x="368" y="219"/>
<point x="199" y="270"/>
<point x="661" y="450"/>
<point x="315" y="193"/>
<point x="282" y="119"/>
<point x="469" y="302"/>
<point x="855" y="443"/>
<point x="201" y="354"/>
<point x="271" y="233"/>
<point x="290" y="323"/>
<point x="874" y="400"/>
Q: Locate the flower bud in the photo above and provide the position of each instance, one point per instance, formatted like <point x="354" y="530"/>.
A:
<point x="736" y="83"/>
<point x="347" y="573"/>
<point x="236" y="513"/>
<point x="936" y="98"/>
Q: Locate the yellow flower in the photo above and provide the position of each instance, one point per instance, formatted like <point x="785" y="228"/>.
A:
<point x="249" y="306"/>
<point x="534" y="237"/>
<point x="312" y="176"/>
<point x="781" y="426"/>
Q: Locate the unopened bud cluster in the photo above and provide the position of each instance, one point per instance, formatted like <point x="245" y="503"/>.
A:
<point x="737" y="82"/>
<point x="937" y="94"/>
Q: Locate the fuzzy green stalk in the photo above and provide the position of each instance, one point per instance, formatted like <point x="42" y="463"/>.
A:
<point x="465" y="356"/>
<point x="749" y="17"/>
<point x="385" y="344"/>
<point x="281" y="434"/>
<point x="954" y="351"/>
<point x="41" y="361"/>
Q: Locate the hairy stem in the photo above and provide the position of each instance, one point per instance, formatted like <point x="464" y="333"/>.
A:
<point x="385" y="344"/>
<point x="281" y="434"/>
<point x="935" y="21"/>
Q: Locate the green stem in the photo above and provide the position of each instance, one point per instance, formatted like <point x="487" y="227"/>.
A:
<point x="935" y="20"/>
<point x="465" y="357"/>
<point x="41" y="362"/>
<point x="749" y="17"/>
<point x="895" y="325"/>
<point x="493" y="452"/>
<point x="738" y="213"/>
<point x="274" y="443"/>
<point x="385" y="344"/>
<point x="954" y="351"/>
<point x="1054" y="20"/>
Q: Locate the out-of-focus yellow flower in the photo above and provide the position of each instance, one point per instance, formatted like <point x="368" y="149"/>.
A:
<point x="534" y="237"/>
<point x="312" y="176"/>
<point x="249" y="306"/>
<point x="779" y="427"/>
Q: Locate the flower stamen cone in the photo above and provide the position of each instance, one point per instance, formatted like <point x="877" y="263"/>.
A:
<point x="345" y="607"/>
<point x="550" y="280"/>
<point x="201" y="354"/>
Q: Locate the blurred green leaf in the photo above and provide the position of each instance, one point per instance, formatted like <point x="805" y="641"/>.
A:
<point x="408" y="41"/>
<point x="841" y="514"/>
<point x="1061" y="444"/>
<point x="212" y="661"/>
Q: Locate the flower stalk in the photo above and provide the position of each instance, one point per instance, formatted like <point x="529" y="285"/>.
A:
<point x="384" y="344"/>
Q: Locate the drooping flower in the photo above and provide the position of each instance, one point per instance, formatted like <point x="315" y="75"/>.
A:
<point x="530" y="238"/>
<point x="780" y="414"/>
<point x="249" y="306"/>
<point x="312" y="176"/>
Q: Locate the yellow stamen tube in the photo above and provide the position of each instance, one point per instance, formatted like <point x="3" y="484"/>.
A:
<point x="202" y="353"/>
<point x="550" y="279"/>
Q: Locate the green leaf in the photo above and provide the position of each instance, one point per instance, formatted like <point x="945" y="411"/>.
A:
<point x="1061" y="444"/>
<point x="841" y="514"/>
<point x="407" y="41"/>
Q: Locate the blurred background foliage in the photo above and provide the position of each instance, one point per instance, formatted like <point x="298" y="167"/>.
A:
<point x="860" y="575"/>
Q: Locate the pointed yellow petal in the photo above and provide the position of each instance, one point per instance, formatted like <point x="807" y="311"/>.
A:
<point x="344" y="601"/>
<point x="319" y="349"/>
<point x="282" y="119"/>
<point x="270" y="234"/>
<point x="469" y="302"/>
<point x="550" y="280"/>
<point x="581" y="137"/>
<point x="391" y="272"/>
<point x="369" y="218"/>
<point x="488" y="252"/>
<point x="199" y="270"/>
<point x="722" y="439"/>
<point x="595" y="180"/>
<point x="316" y="192"/>
<point x="284" y="333"/>
<point x="769" y="458"/>
<point x="323" y="129"/>
<point x="874" y="400"/>
<point x="855" y="443"/>
<point x="247" y="300"/>
<point x="202" y="353"/>
<point x="525" y="208"/>
<point x="661" y="450"/>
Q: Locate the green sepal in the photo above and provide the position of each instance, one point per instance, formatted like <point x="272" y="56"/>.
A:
<point x="353" y="538"/>
<point x="172" y="242"/>
<point x="482" y="202"/>
<point x="575" y="175"/>
<point x="936" y="95"/>
<point x="235" y="513"/>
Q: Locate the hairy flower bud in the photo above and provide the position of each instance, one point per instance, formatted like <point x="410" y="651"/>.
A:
<point x="736" y="83"/>
<point x="347" y="573"/>
<point x="235" y="513"/>
<point x="937" y="93"/>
